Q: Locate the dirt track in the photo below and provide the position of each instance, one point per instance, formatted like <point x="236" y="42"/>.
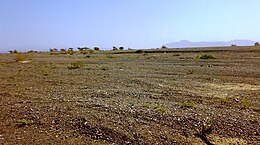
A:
<point x="131" y="98"/>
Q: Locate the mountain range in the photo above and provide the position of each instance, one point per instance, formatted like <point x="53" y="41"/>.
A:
<point x="186" y="43"/>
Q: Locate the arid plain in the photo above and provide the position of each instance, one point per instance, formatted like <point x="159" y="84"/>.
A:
<point x="156" y="96"/>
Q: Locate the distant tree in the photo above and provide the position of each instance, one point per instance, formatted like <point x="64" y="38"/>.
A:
<point x="233" y="45"/>
<point x="15" y="51"/>
<point x="257" y="44"/>
<point x="83" y="48"/>
<point x="53" y="50"/>
<point x="30" y="51"/>
<point x="139" y="51"/>
<point x="70" y="49"/>
<point x="63" y="50"/>
<point x="96" y="48"/>
<point x="10" y="51"/>
<point x="114" y="48"/>
<point x="164" y="46"/>
<point x="121" y="48"/>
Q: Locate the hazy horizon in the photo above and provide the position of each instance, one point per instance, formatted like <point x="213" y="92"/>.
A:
<point x="44" y="24"/>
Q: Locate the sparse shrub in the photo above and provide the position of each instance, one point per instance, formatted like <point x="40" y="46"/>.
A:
<point x="76" y="65"/>
<point x="70" y="51"/>
<point x="54" y="53"/>
<point x="110" y="56"/>
<point x="54" y="50"/>
<point x="139" y="51"/>
<point x="91" y="51"/>
<point x="245" y="103"/>
<point x="87" y="51"/>
<point x="83" y="48"/>
<point x="146" y="105"/>
<point x="104" y="68"/>
<point x="84" y="51"/>
<point x="206" y="56"/>
<point x="13" y="51"/>
<point x="176" y="54"/>
<point x="21" y="57"/>
<point x="188" y="105"/>
<point x="224" y="100"/>
<point x="205" y="130"/>
<point x="160" y="109"/>
<point x="190" y="72"/>
<point x="31" y="51"/>
<point x="63" y="51"/>
<point x="23" y="122"/>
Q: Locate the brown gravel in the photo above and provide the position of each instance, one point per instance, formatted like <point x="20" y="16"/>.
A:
<point x="160" y="96"/>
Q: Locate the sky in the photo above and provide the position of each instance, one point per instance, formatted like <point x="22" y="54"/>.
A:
<point x="45" y="24"/>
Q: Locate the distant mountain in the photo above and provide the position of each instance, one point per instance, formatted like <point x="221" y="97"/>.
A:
<point x="186" y="43"/>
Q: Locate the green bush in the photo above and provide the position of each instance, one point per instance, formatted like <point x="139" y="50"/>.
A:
<point x="146" y="105"/>
<point x="160" y="109"/>
<point x="23" y="122"/>
<point x="224" y="100"/>
<point x="188" y="105"/>
<point x="245" y="103"/>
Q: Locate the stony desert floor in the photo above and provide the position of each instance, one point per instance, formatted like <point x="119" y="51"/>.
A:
<point x="157" y="96"/>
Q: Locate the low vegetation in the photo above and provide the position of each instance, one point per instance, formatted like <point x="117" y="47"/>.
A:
<point x="245" y="103"/>
<point x="224" y="100"/>
<point x="160" y="109"/>
<point x="205" y="130"/>
<point x="21" y="57"/>
<point x="23" y="122"/>
<point x="139" y="51"/>
<point x="206" y="56"/>
<point x="122" y="97"/>
<point x="76" y="65"/>
<point x="188" y="105"/>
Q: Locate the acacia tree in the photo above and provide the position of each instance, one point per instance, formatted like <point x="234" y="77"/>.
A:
<point x="63" y="50"/>
<point x="257" y="44"/>
<point x="121" y="48"/>
<point x="83" y="48"/>
<point x="114" y="48"/>
<point x="164" y="46"/>
<point x="96" y="48"/>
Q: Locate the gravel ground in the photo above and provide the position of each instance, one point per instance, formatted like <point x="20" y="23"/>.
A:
<point x="165" y="96"/>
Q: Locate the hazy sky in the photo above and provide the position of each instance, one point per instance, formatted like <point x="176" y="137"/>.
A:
<point x="43" y="24"/>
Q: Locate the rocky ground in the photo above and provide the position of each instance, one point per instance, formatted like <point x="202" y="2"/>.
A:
<point x="165" y="96"/>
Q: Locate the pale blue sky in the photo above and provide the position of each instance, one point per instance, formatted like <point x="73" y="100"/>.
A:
<point x="44" y="24"/>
